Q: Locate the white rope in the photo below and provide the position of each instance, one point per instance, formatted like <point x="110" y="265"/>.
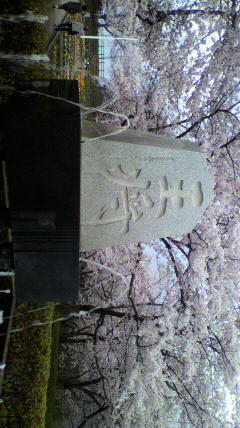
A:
<point x="17" y="57"/>
<point x="28" y="16"/>
<point x="7" y="273"/>
<point x="89" y="110"/>
<point x="31" y="310"/>
<point x="38" y="323"/>
<point x="123" y="278"/>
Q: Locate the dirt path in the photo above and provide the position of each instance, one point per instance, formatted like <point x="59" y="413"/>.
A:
<point x="56" y="17"/>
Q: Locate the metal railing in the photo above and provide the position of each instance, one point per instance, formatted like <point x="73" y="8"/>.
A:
<point x="101" y="55"/>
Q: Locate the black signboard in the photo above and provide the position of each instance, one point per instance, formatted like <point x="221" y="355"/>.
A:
<point x="42" y="140"/>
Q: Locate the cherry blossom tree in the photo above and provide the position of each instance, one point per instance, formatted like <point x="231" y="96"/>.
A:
<point x="163" y="350"/>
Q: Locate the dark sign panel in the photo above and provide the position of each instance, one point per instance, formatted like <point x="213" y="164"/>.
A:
<point x="42" y="138"/>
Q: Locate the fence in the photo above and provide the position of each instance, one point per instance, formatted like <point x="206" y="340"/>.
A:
<point x="101" y="54"/>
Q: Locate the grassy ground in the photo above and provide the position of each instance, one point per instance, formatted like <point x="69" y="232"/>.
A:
<point x="52" y="382"/>
<point x="23" y="38"/>
<point x="27" y="372"/>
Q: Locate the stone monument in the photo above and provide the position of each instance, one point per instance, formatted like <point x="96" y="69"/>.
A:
<point x="138" y="186"/>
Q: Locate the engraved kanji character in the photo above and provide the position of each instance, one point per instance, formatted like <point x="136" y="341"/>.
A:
<point x="133" y="194"/>
<point x="177" y="195"/>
